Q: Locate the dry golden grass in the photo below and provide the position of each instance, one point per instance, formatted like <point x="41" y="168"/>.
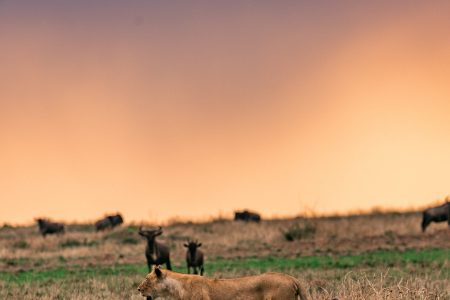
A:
<point x="322" y="284"/>
<point x="23" y="249"/>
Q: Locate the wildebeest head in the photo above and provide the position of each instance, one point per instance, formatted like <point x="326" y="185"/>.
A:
<point x="192" y="248"/>
<point x="240" y="215"/>
<point x="154" y="285"/>
<point x="150" y="234"/>
<point x="115" y="220"/>
<point x="47" y="227"/>
<point x="41" y="222"/>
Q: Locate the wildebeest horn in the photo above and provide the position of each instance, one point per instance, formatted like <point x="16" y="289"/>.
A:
<point x="142" y="230"/>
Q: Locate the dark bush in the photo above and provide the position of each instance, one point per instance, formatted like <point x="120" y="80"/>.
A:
<point x="300" y="230"/>
<point x="69" y="243"/>
<point x="21" y="245"/>
<point x="127" y="235"/>
<point x="130" y="240"/>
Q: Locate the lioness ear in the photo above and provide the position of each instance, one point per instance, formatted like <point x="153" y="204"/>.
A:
<point x="158" y="272"/>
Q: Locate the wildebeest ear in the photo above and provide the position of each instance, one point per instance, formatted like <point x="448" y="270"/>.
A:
<point x="186" y="245"/>
<point x="199" y="244"/>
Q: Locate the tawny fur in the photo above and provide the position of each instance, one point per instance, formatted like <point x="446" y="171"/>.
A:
<point x="163" y="284"/>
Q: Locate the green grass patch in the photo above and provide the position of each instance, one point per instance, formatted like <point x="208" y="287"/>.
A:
<point x="73" y="272"/>
<point x="429" y="258"/>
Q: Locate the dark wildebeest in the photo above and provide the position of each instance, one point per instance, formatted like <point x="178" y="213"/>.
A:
<point x="108" y="222"/>
<point x="47" y="227"/>
<point x="247" y="216"/>
<point x="156" y="253"/>
<point x="194" y="257"/>
<point x="115" y="220"/>
<point x="436" y="214"/>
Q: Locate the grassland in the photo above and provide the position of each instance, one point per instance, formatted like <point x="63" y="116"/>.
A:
<point x="375" y="256"/>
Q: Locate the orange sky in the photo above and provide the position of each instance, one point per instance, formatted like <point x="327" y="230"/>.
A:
<point x="191" y="108"/>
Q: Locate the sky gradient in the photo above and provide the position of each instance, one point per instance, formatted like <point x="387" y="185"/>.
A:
<point x="160" y="109"/>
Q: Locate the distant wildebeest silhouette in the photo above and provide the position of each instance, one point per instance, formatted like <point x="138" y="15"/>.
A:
<point x="194" y="257"/>
<point x="156" y="253"/>
<point x="247" y="216"/>
<point x="47" y="227"/>
<point x="439" y="213"/>
<point x="108" y="222"/>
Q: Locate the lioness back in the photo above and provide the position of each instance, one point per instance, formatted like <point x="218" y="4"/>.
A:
<point x="163" y="284"/>
<point x="274" y="286"/>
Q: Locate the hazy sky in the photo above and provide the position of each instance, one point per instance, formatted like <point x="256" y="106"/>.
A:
<point x="190" y="108"/>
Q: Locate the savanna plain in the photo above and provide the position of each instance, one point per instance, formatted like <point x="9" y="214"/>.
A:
<point x="368" y="256"/>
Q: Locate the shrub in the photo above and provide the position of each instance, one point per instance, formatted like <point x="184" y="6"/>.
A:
<point x="301" y="230"/>
<point x="21" y="245"/>
<point x="129" y="240"/>
<point x="6" y="226"/>
<point x="69" y="243"/>
<point x="126" y="235"/>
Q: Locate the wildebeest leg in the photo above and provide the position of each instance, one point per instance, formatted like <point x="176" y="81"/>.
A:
<point x="425" y="222"/>
<point x="189" y="270"/>
<point x="169" y="267"/>
<point x="201" y="270"/>
<point x="448" y="215"/>
<point x="195" y="271"/>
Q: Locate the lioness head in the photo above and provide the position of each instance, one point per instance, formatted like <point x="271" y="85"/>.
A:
<point x="157" y="285"/>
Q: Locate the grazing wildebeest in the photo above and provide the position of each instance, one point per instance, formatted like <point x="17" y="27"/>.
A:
<point x="436" y="214"/>
<point x="108" y="222"/>
<point x="115" y="220"/>
<point x="102" y="224"/>
<point x="247" y="216"/>
<point x="156" y="253"/>
<point x="194" y="257"/>
<point x="164" y="284"/>
<point x="47" y="227"/>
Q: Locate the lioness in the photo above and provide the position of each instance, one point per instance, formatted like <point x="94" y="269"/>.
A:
<point x="167" y="285"/>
